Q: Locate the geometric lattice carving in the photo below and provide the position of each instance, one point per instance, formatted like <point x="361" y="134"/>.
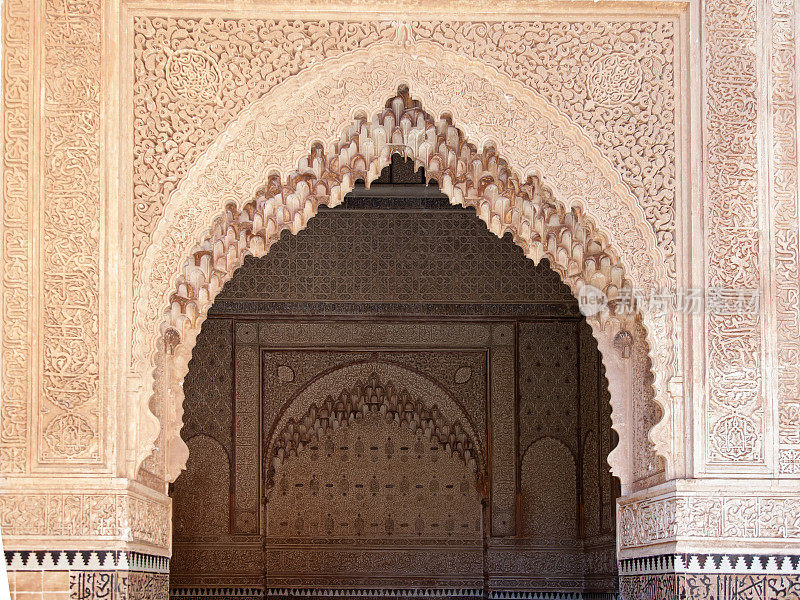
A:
<point x="358" y="254"/>
<point x="210" y="388"/>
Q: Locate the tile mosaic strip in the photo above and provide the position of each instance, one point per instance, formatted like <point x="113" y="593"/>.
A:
<point x="249" y="593"/>
<point x="80" y="560"/>
<point x="768" y="564"/>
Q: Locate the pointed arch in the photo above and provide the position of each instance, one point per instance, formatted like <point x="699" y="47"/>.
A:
<point x="583" y="220"/>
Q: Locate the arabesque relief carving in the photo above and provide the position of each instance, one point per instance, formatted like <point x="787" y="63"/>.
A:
<point x="735" y="407"/>
<point x="88" y="516"/>
<point x="715" y="517"/>
<point x="17" y="132"/>
<point x="70" y="411"/>
<point x="615" y="79"/>
<point x="786" y="245"/>
<point x="522" y="208"/>
<point x="67" y="412"/>
<point x="658" y="137"/>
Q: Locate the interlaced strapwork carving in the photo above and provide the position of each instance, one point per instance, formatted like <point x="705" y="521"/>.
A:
<point x="372" y="397"/>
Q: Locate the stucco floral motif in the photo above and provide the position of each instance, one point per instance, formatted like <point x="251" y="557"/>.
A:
<point x="70" y="238"/>
<point x="615" y="79"/>
<point x="786" y="245"/>
<point x="735" y="438"/>
<point x="69" y="434"/>
<point x="193" y="75"/>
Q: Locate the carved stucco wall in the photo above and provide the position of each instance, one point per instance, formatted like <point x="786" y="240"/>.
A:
<point x="60" y="162"/>
<point x="391" y="477"/>
<point x="194" y="291"/>
<point x="193" y="77"/>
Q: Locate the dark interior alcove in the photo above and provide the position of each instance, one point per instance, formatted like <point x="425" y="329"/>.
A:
<point x="395" y="399"/>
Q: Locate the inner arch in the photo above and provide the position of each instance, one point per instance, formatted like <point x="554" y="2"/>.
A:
<point x="286" y="320"/>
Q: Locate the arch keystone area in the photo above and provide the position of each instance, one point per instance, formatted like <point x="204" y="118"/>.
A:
<point x="519" y="162"/>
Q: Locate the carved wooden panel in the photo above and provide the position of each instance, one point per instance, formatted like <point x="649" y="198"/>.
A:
<point x="204" y="492"/>
<point x="210" y="390"/>
<point x="460" y="373"/>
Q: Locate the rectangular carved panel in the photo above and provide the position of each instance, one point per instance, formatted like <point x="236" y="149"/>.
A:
<point x="503" y="428"/>
<point x="17" y="135"/>
<point x="734" y="416"/>
<point x="247" y="433"/>
<point x="71" y="414"/>
<point x="377" y="500"/>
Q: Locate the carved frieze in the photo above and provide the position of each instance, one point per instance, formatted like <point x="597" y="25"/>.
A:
<point x="100" y="515"/>
<point x="711" y="517"/>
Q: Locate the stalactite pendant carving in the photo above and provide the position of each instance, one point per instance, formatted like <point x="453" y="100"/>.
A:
<point x="372" y="397"/>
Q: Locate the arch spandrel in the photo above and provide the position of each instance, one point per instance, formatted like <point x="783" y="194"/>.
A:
<point x="271" y="138"/>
